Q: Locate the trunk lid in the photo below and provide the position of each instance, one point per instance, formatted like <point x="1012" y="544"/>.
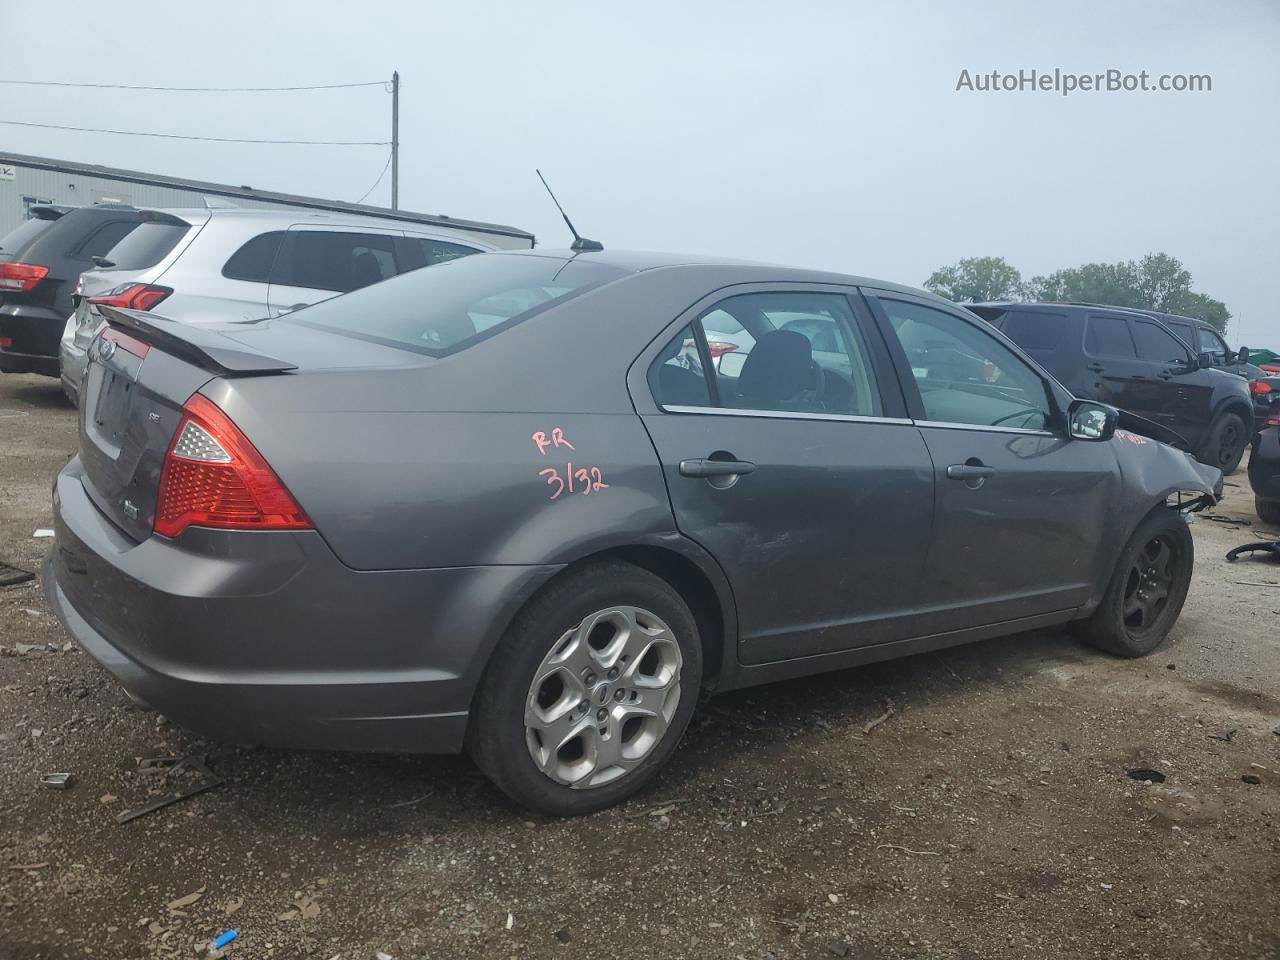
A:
<point x="141" y="370"/>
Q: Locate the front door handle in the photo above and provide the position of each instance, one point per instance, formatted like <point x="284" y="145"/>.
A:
<point x="969" y="471"/>
<point x="706" y="469"/>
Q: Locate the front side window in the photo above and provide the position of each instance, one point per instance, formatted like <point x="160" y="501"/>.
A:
<point x="1157" y="344"/>
<point x="676" y="376"/>
<point x="1109" y="337"/>
<point x="1210" y="342"/>
<point x="964" y="374"/>
<point x="452" y="305"/>
<point x="791" y="351"/>
<point x="334" y="260"/>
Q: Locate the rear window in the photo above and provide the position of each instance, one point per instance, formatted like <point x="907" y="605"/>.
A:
<point x="1034" y="329"/>
<point x="15" y="241"/>
<point x="442" y="309"/>
<point x="98" y="243"/>
<point x="146" y="246"/>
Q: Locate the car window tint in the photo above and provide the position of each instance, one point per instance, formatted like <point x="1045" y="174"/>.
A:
<point x="676" y="376"/>
<point x="793" y="351"/>
<point x="253" y="260"/>
<point x="440" y="251"/>
<point x="98" y="243"/>
<point x="966" y="375"/>
<point x="1109" y="337"/>
<point x="1183" y="331"/>
<point x="452" y="305"/>
<point x="1034" y="329"/>
<point x="147" y="244"/>
<point x="334" y="260"/>
<point x="22" y="235"/>
<point x="1157" y="344"/>
<point x="1210" y="342"/>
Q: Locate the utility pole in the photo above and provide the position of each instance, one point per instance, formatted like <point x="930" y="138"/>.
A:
<point x="395" y="140"/>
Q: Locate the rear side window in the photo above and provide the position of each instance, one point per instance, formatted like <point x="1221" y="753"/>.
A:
<point x="1109" y="337"/>
<point x="428" y="252"/>
<point x="98" y="243"/>
<point x="676" y="376"/>
<point x="454" y="304"/>
<point x="254" y="260"/>
<point x="1034" y="329"/>
<point x="18" y="239"/>
<point x="147" y="245"/>
<point x="1157" y="344"/>
<point x="334" y="260"/>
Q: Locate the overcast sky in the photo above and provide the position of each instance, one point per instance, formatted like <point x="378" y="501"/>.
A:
<point x="821" y="134"/>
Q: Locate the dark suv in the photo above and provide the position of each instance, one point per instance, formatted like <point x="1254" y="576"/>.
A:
<point x="1203" y="338"/>
<point x="39" y="270"/>
<point x="1133" y="361"/>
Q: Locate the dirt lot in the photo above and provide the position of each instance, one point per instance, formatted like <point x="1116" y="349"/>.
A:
<point x="988" y="816"/>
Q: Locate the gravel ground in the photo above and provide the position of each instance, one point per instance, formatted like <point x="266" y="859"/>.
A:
<point x="988" y="816"/>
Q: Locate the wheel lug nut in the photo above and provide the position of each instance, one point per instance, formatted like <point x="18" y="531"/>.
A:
<point x="601" y="714"/>
<point x="619" y="695"/>
<point x="588" y="678"/>
<point x="583" y="706"/>
<point x="613" y="674"/>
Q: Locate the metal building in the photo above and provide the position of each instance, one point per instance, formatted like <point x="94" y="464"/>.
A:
<point x="26" y="181"/>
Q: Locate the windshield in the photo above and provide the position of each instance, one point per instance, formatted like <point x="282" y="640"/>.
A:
<point x="443" y="308"/>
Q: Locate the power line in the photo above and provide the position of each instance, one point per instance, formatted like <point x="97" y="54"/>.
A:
<point x="178" y="136"/>
<point x="131" y="86"/>
<point x="376" y="182"/>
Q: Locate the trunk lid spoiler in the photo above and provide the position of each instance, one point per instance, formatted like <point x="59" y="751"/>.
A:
<point x="203" y="346"/>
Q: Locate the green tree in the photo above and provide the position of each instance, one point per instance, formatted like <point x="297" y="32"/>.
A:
<point x="976" y="279"/>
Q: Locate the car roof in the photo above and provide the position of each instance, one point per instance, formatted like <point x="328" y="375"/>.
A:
<point x="637" y="261"/>
<point x="1058" y="306"/>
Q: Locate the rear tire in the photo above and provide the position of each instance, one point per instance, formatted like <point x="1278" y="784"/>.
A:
<point x="1268" y="511"/>
<point x="1147" y="589"/>
<point x="1224" y="446"/>
<point x="590" y="691"/>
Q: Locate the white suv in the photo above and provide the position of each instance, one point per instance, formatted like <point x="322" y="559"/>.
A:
<point x="225" y="264"/>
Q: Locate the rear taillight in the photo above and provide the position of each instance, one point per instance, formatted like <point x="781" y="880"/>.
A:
<point x="1273" y="418"/>
<point x="21" y="276"/>
<point x="1259" y="388"/>
<point x="214" y="477"/>
<point x="718" y="348"/>
<point x="132" y="296"/>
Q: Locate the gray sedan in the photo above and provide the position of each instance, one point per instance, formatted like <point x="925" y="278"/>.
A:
<point x="508" y="504"/>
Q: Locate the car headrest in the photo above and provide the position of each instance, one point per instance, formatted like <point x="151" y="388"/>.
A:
<point x="779" y="370"/>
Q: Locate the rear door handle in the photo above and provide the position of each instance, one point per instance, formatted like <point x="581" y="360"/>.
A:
<point x="1096" y="367"/>
<point x="968" y="471"/>
<point x="715" y="468"/>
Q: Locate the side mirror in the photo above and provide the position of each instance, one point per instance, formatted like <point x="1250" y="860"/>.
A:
<point x="1087" y="420"/>
<point x="1244" y="355"/>
<point x="1204" y="361"/>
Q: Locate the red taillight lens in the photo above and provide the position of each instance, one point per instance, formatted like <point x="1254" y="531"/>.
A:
<point x="1259" y="388"/>
<point x="21" y="276"/>
<point x="133" y="296"/>
<point x="718" y="348"/>
<point x="1273" y="419"/>
<point x="214" y="477"/>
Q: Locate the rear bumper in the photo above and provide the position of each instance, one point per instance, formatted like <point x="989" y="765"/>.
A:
<point x="267" y="638"/>
<point x="35" y="333"/>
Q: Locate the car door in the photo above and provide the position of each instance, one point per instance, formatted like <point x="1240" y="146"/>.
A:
<point x="1114" y="373"/>
<point x="1020" y="510"/>
<point x="1183" y="395"/>
<point x="318" y="262"/>
<point x="807" y="484"/>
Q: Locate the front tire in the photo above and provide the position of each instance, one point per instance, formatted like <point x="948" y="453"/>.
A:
<point x="1224" y="446"/>
<point x="1268" y="511"/>
<point x="1147" y="589"/>
<point x="590" y="691"/>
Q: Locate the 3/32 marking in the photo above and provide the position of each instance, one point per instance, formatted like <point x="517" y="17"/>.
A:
<point x="582" y="480"/>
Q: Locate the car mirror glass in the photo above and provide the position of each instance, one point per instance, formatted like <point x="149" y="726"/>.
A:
<point x="1091" y="421"/>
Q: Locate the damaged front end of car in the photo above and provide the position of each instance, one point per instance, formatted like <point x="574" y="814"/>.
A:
<point x="1158" y="467"/>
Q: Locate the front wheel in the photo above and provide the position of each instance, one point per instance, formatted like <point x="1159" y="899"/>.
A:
<point x="1224" y="446"/>
<point x="589" y="692"/>
<point x="1147" y="589"/>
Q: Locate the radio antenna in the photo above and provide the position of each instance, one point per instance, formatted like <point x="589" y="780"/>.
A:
<point x="579" y="243"/>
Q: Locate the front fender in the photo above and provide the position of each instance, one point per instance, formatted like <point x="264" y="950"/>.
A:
<point x="1153" y="472"/>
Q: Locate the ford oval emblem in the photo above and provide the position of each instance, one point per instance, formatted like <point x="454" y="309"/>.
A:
<point x="106" y="348"/>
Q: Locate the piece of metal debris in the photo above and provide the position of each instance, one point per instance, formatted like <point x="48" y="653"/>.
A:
<point x="174" y="764"/>
<point x="11" y="576"/>
<point x="42" y="534"/>
<point x="1267" y="547"/>
<point x="1145" y="774"/>
<point x="1226" y="736"/>
<point x="58" y="781"/>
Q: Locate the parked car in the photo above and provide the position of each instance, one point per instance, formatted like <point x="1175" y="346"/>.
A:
<point x="40" y="263"/>
<point x="1204" y="338"/>
<point x="1264" y="456"/>
<point x="1266" y="399"/>
<point x="1132" y="360"/>
<point x="493" y="504"/>
<point x="228" y="263"/>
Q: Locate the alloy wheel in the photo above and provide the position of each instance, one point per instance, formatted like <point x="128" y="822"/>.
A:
<point x="1229" y="441"/>
<point x="1149" y="583"/>
<point x="603" y="697"/>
